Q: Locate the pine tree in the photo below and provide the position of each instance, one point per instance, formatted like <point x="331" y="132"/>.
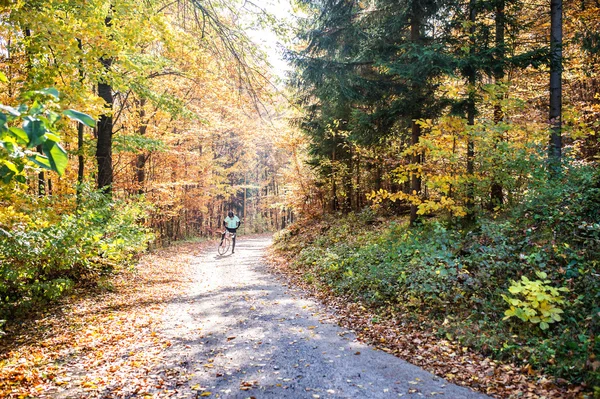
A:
<point x="374" y="68"/>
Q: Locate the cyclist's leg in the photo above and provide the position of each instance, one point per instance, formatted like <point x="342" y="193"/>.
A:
<point x="233" y="241"/>
<point x="222" y="237"/>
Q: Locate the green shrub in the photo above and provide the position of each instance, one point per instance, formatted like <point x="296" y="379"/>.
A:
<point x="41" y="261"/>
<point x="458" y="278"/>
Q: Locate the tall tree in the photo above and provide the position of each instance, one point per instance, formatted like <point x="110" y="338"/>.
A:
<point x="80" y="136"/>
<point x="471" y="75"/>
<point x="104" y="130"/>
<point x="329" y="86"/>
<point x="374" y="68"/>
<point x="496" y="190"/>
<point x="417" y="157"/>
<point x="555" y="146"/>
<point x="41" y="179"/>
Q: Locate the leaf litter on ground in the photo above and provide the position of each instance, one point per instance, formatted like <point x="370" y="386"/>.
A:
<point x="109" y="345"/>
<point x="102" y="345"/>
<point x="413" y="340"/>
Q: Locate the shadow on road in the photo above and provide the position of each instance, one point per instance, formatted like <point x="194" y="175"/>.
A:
<point x="241" y="333"/>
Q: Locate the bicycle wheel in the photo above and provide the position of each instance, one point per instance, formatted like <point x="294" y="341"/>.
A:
<point x="224" y="246"/>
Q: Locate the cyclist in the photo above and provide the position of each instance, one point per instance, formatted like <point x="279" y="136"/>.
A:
<point x="231" y="223"/>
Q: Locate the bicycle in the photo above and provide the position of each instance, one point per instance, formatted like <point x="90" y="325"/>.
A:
<point x="226" y="243"/>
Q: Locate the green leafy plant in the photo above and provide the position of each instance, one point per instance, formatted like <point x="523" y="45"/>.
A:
<point x="35" y="143"/>
<point x="540" y="301"/>
<point x="42" y="261"/>
<point x="456" y="275"/>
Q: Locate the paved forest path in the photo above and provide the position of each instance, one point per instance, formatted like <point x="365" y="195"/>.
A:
<point x="241" y="333"/>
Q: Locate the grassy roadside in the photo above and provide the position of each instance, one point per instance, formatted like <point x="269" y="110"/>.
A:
<point x="434" y="295"/>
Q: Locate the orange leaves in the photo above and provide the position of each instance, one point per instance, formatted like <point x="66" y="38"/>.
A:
<point x="247" y="385"/>
<point x="414" y="339"/>
<point x="103" y="343"/>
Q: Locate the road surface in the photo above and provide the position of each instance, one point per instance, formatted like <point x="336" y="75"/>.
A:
<point x="241" y="333"/>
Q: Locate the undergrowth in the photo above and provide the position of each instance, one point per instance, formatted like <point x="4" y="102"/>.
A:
<point x="460" y="277"/>
<point x="45" y="252"/>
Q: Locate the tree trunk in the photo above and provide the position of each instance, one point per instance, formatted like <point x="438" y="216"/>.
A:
<point x="348" y="189"/>
<point x="104" y="144"/>
<point x="41" y="180"/>
<point x="80" y="158"/>
<point x="496" y="195"/>
<point x="555" y="147"/>
<point x="415" y="184"/>
<point x="334" y="199"/>
<point x="140" y="162"/>
<point x="471" y="116"/>
<point x="105" y="130"/>
<point x="358" y="190"/>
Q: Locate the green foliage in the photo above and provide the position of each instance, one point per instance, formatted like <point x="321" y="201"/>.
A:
<point x="540" y="301"/>
<point x="137" y="143"/>
<point x="459" y="277"/>
<point x="38" y="128"/>
<point x="43" y="258"/>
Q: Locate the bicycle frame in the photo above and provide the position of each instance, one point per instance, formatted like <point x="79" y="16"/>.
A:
<point x="225" y="244"/>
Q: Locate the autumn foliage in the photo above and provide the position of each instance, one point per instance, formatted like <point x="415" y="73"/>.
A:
<point x="444" y="184"/>
<point x="439" y="158"/>
<point x="159" y="117"/>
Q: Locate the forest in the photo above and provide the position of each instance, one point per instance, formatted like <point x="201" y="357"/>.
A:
<point x="126" y="123"/>
<point x="434" y="161"/>
<point x="453" y="156"/>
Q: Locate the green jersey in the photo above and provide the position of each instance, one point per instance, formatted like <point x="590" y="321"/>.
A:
<point x="232" y="223"/>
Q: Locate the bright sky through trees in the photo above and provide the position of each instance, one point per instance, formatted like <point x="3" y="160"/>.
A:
<point x="268" y="39"/>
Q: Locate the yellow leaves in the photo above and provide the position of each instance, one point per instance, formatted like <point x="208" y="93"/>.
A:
<point x="537" y="303"/>
<point x="9" y="216"/>
<point x="425" y="123"/>
<point x="89" y="385"/>
<point x="503" y="151"/>
<point x="377" y="196"/>
<point x="424" y="207"/>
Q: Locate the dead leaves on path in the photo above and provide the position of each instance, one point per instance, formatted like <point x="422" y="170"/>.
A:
<point x="108" y="345"/>
<point x="102" y="345"/>
<point x="419" y="346"/>
<point x="447" y="359"/>
<point x="247" y="385"/>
